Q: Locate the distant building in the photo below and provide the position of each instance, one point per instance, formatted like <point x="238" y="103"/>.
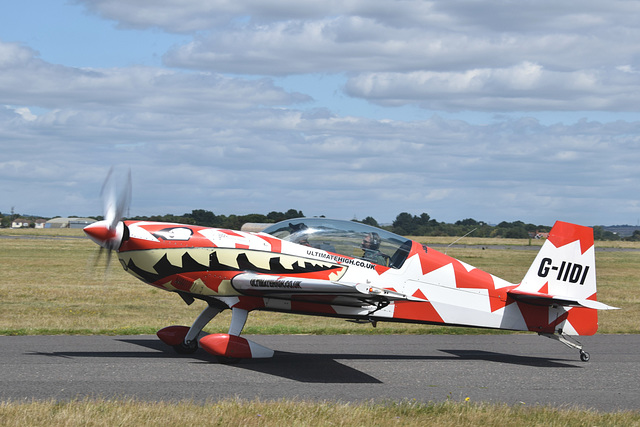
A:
<point x="69" y="222"/>
<point x="538" y="235"/>
<point x="21" y="223"/>
<point x="622" y="230"/>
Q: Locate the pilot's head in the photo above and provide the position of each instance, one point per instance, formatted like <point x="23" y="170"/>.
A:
<point x="371" y="241"/>
<point x="300" y="234"/>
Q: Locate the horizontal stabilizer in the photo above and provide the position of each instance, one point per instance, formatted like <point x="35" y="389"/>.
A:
<point x="537" y="298"/>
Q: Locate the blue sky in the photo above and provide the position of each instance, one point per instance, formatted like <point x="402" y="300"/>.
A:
<point x="493" y="110"/>
<point x="64" y="32"/>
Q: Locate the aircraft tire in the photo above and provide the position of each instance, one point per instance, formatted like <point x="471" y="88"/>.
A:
<point x="224" y="360"/>
<point x="186" y="349"/>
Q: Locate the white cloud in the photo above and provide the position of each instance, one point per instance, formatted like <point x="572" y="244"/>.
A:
<point x="199" y="15"/>
<point x="529" y="57"/>
<point x="524" y="87"/>
<point x="27" y="80"/>
<point x="24" y="112"/>
<point x="256" y="160"/>
<point x="458" y="15"/>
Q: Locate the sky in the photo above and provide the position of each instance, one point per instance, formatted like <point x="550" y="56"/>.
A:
<point x="494" y="110"/>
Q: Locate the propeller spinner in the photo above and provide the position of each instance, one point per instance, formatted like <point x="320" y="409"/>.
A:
<point x="109" y="232"/>
<point x="105" y="235"/>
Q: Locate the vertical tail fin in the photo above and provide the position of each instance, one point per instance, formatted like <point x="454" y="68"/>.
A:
<point x="563" y="277"/>
<point x="566" y="264"/>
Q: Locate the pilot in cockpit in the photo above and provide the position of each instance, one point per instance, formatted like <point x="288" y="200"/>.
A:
<point x="300" y="234"/>
<point x="303" y="240"/>
<point x="371" y="248"/>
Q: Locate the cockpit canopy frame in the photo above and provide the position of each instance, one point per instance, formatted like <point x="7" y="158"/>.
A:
<point x="347" y="238"/>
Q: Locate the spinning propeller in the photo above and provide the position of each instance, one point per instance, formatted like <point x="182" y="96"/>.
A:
<point x="109" y="232"/>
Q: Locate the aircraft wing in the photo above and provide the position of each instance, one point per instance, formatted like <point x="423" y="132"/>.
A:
<point x="537" y="298"/>
<point x="315" y="290"/>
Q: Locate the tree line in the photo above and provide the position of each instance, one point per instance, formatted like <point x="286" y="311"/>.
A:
<point x="234" y="222"/>
<point x="405" y="224"/>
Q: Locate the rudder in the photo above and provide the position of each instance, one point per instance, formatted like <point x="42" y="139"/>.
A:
<point x="563" y="278"/>
<point x="565" y="266"/>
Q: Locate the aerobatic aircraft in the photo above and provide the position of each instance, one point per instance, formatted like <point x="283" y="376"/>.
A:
<point x="349" y="270"/>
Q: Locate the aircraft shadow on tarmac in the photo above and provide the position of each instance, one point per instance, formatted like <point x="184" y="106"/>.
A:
<point x="326" y="368"/>
<point x="314" y="367"/>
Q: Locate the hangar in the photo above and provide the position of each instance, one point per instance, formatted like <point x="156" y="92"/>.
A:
<point x="69" y="222"/>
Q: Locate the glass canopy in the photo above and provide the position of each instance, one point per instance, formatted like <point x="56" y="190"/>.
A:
<point x="347" y="238"/>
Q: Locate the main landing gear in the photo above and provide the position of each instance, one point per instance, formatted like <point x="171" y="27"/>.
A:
<point x="228" y="348"/>
<point x="569" y="342"/>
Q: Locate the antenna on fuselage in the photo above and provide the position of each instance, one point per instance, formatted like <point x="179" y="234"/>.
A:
<point x="458" y="239"/>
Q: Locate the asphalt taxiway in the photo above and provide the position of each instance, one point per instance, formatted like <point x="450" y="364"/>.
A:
<point x="522" y="369"/>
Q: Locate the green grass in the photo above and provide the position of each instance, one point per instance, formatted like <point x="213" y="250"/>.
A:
<point x="50" y="286"/>
<point x="235" y="412"/>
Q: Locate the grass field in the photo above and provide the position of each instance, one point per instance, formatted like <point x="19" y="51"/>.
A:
<point x="49" y="285"/>
<point x="293" y="413"/>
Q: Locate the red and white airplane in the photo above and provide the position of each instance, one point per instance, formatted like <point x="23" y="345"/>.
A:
<point x="349" y="270"/>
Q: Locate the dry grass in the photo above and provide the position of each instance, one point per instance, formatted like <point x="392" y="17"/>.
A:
<point x="42" y="232"/>
<point x="48" y="286"/>
<point x="235" y="412"/>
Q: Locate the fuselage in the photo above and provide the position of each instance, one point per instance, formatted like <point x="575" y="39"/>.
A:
<point x="261" y="271"/>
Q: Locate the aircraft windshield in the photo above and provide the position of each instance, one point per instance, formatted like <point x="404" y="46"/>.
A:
<point x="347" y="238"/>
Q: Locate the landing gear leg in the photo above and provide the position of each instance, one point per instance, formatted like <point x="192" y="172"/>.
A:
<point x="569" y="342"/>
<point x="238" y="320"/>
<point x="190" y="343"/>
